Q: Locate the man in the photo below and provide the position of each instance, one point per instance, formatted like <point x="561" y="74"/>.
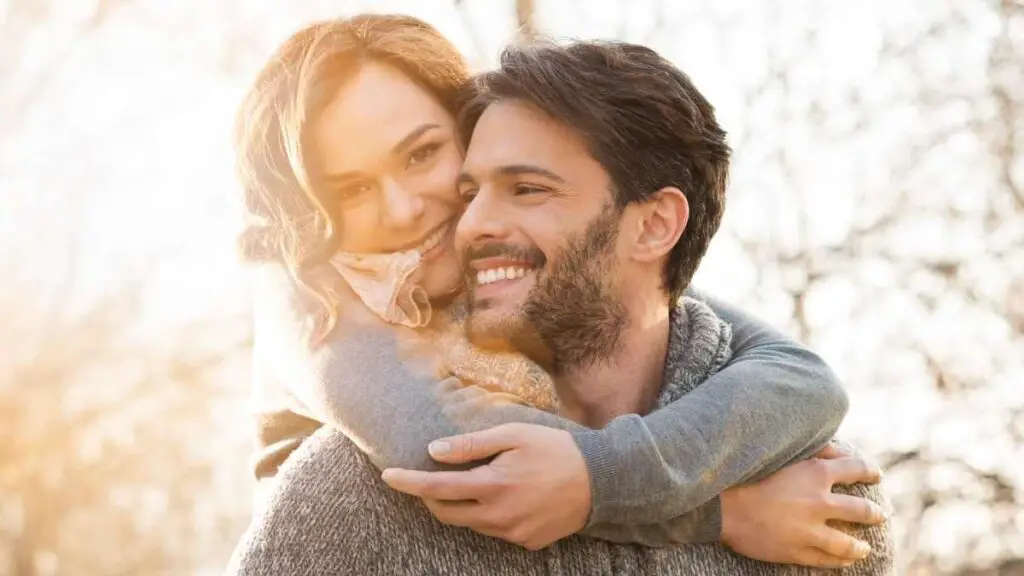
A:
<point x="597" y="172"/>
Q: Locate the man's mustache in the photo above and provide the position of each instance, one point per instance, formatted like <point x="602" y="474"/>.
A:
<point x="527" y="254"/>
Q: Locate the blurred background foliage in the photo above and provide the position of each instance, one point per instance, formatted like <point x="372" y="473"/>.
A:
<point x="876" y="212"/>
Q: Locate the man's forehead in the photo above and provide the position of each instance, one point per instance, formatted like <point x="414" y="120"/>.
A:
<point x="514" y="132"/>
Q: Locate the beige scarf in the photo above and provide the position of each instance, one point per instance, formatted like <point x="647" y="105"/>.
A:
<point x="382" y="282"/>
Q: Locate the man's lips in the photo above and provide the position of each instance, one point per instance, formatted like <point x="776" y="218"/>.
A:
<point x="490" y="271"/>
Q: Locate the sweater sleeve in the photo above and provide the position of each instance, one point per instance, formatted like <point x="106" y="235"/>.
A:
<point x="776" y="402"/>
<point x="389" y="401"/>
<point x="391" y="405"/>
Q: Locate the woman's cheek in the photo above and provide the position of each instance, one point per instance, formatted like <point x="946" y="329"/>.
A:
<point x="357" y="227"/>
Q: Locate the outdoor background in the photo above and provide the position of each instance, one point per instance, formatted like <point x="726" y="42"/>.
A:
<point x="876" y="212"/>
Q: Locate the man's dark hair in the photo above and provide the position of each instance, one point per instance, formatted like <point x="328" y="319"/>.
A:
<point x="641" y="118"/>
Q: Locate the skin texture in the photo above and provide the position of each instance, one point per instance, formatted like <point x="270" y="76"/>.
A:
<point x="531" y="188"/>
<point x="797" y="505"/>
<point x="507" y="498"/>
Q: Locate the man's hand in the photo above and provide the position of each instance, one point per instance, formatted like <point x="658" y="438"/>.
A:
<point x="782" y="519"/>
<point x="536" y="491"/>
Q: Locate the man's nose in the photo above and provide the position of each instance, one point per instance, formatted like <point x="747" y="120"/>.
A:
<point x="482" y="220"/>
<point x="401" y="207"/>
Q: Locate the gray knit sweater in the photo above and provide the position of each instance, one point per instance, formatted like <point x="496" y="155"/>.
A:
<point x="329" y="512"/>
<point x="773" y="404"/>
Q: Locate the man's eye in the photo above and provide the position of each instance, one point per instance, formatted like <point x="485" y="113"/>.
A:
<point x="523" y="189"/>
<point x="422" y="154"/>
<point x="467" y="194"/>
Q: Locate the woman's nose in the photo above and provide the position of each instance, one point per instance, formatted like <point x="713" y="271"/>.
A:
<point x="402" y="207"/>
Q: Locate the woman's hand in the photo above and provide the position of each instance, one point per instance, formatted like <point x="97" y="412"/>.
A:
<point x="535" y="491"/>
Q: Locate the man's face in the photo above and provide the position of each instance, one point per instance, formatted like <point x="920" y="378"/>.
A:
<point x="539" y="238"/>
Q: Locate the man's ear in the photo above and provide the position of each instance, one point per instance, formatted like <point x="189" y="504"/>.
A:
<point x="660" y="222"/>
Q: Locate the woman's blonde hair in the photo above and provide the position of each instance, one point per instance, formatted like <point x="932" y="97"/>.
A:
<point x="292" y="222"/>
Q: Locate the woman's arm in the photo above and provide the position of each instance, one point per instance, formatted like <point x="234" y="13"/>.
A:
<point x="389" y="402"/>
<point x="278" y="434"/>
<point x="774" y="403"/>
<point x="392" y="406"/>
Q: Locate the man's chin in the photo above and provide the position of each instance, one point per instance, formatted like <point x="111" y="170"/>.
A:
<point x="491" y="328"/>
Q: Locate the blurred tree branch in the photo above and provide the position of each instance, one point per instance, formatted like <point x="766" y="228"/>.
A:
<point x="100" y="408"/>
<point x="24" y="20"/>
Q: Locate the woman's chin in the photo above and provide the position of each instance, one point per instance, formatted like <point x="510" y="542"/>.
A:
<point x="443" y="280"/>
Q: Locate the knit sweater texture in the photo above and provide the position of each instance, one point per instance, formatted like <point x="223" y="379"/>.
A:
<point x="328" y="512"/>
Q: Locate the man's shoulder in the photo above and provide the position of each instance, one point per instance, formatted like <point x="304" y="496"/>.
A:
<point x="328" y="512"/>
<point x="317" y="516"/>
<point x="329" y="453"/>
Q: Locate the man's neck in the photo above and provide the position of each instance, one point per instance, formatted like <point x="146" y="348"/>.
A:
<point x="626" y="382"/>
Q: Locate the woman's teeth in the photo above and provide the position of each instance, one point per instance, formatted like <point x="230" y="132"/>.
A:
<point x="433" y="240"/>
<point x="495" y="274"/>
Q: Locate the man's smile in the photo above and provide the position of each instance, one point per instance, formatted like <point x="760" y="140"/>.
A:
<point x="497" y="276"/>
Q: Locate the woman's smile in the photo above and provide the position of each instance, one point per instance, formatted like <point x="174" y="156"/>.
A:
<point x="435" y="242"/>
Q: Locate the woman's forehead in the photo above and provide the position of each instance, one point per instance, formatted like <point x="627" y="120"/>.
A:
<point x="371" y="114"/>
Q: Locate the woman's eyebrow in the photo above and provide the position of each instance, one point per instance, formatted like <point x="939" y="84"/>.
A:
<point x="402" y="145"/>
<point x="411" y="137"/>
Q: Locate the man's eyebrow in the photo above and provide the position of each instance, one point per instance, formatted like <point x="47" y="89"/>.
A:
<point x="519" y="169"/>
<point x="397" y="149"/>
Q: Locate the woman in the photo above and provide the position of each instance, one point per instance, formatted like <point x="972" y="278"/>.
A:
<point x="349" y="155"/>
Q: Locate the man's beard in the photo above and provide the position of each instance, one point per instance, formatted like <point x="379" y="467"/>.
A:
<point x="573" y="316"/>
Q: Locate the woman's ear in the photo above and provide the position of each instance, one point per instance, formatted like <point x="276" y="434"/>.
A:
<point x="660" y="224"/>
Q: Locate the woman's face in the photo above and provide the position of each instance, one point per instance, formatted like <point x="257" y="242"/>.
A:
<point x="388" y="157"/>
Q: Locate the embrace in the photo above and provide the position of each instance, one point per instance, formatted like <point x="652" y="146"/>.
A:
<point x="476" y="347"/>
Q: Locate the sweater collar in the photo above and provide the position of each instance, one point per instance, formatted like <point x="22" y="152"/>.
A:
<point x="698" y="346"/>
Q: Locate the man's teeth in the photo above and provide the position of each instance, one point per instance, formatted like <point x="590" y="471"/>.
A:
<point x="495" y="274"/>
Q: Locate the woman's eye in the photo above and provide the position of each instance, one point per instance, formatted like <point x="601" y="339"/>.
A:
<point x="354" y="190"/>
<point x="422" y="154"/>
